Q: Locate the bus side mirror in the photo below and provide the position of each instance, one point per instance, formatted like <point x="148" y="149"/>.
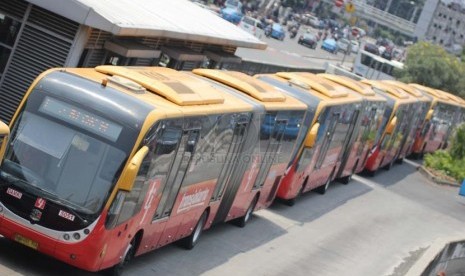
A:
<point x="4" y="133"/>
<point x="312" y="135"/>
<point x="429" y="115"/>
<point x="130" y="173"/>
<point x="391" y="126"/>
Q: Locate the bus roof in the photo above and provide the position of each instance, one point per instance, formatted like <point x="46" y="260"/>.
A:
<point x="391" y="90"/>
<point x="171" y="84"/>
<point x="229" y="103"/>
<point x="363" y="89"/>
<point x="319" y="85"/>
<point x="410" y="90"/>
<point x="358" y="87"/>
<point x="452" y="97"/>
<point x="244" y="83"/>
<point x="267" y="95"/>
<point x="430" y="91"/>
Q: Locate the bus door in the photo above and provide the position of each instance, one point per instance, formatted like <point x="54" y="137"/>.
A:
<point x="368" y="129"/>
<point x="399" y="132"/>
<point x="347" y="146"/>
<point x="329" y="133"/>
<point x="411" y="126"/>
<point x="232" y="172"/>
<point x="187" y="139"/>
<point x="271" y="136"/>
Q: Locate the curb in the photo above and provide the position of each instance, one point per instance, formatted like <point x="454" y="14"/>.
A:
<point x="431" y="254"/>
<point x="435" y="179"/>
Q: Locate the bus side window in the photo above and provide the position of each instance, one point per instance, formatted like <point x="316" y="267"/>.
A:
<point x="331" y="122"/>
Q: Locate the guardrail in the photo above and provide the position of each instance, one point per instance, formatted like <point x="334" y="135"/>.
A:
<point x="384" y="17"/>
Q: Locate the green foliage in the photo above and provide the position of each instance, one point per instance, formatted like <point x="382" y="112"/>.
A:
<point x="442" y="161"/>
<point x="450" y="162"/>
<point x="457" y="149"/>
<point x="431" y="65"/>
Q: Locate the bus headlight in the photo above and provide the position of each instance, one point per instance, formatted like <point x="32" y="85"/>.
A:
<point x="66" y="237"/>
<point x="76" y="236"/>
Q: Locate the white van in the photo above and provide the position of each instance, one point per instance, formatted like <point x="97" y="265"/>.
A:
<point x="251" y="25"/>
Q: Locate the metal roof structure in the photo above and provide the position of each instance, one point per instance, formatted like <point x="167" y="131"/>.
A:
<point x="176" y="19"/>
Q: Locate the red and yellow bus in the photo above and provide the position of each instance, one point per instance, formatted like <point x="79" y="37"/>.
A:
<point x="396" y="121"/>
<point x="422" y="113"/>
<point x="280" y="122"/>
<point x="108" y="163"/>
<point x="438" y="125"/>
<point x="335" y="120"/>
<point x="368" y="131"/>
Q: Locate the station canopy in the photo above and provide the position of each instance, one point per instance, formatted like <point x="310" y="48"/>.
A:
<point x="175" y="19"/>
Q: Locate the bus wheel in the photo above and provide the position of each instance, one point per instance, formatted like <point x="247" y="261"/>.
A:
<point x="371" y="173"/>
<point x="117" y="270"/>
<point x="346" y="179"/>
<point x="322" y="189"/>
<point x="291" y="202"/>
<point x="242" y="221"/>
<point x="190" y="241"/>
<point x="389" y="166"/>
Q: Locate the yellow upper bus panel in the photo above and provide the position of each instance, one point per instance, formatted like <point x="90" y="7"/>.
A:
<point x="430" y="91"/>
<point x="175" y="86"/>
<point x="245" y="83"/>
<point x="361" y="88"/>
<point x="413" y="91"/>
<point x="390" y="89"/>
<point x="409" y="89"/>
<point x="316" y="83"/>
<point x="455" y="99"/>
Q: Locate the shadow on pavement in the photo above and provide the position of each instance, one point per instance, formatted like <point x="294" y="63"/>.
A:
<point x="395" y="175"/>
<point x="220" y="243"/>
<point x="316" y="205"/>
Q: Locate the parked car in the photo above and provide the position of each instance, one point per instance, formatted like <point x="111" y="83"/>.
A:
<point x="312" y="20"/>
<point x="371" y="48"/>
<point x="277" y="31"/>
<point x="329" y="45"/>
<point x="309" y="40"/>
<point x="250" y="25"/>
<point x="232" y="15"/>
<point x="232" y="11"/>
<point x="344" y="45"/>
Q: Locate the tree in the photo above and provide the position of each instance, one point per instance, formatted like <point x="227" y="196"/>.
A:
<point x="431" y="65"/>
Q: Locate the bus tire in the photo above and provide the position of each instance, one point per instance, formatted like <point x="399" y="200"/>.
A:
<point x="371" y="173"/>
<point x="190" y="241"/>
<point x="291" y="202"/>
<point x="128" y="255"/>
<point x="322" y="189"/>
<point x="242" y="221"/>
<point x="346" y="179"/>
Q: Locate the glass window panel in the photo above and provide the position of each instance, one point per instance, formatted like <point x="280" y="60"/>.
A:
<point x="4" y="55"/>
<point x="9" y="29"/>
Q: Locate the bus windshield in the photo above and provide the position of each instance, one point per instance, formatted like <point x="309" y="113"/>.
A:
<point x="66" y="152"/>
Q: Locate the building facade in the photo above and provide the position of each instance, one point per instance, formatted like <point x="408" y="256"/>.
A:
<point x="447" y="28"/>
<point x="37" y="35"/>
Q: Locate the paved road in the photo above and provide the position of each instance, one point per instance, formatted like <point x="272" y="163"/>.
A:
<point x="290" y="53"/>
<point x="373" y="226"/>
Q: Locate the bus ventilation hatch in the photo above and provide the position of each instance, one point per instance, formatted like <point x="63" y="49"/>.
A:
<point x="178" y="87"/>
<point x="244" y="83"/>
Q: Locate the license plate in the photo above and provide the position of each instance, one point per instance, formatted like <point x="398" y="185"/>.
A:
<point x="27" y="242"/>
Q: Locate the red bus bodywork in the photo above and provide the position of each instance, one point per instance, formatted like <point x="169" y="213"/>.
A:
<point x="336" y="110"/>
<point x="399" y="116"/>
